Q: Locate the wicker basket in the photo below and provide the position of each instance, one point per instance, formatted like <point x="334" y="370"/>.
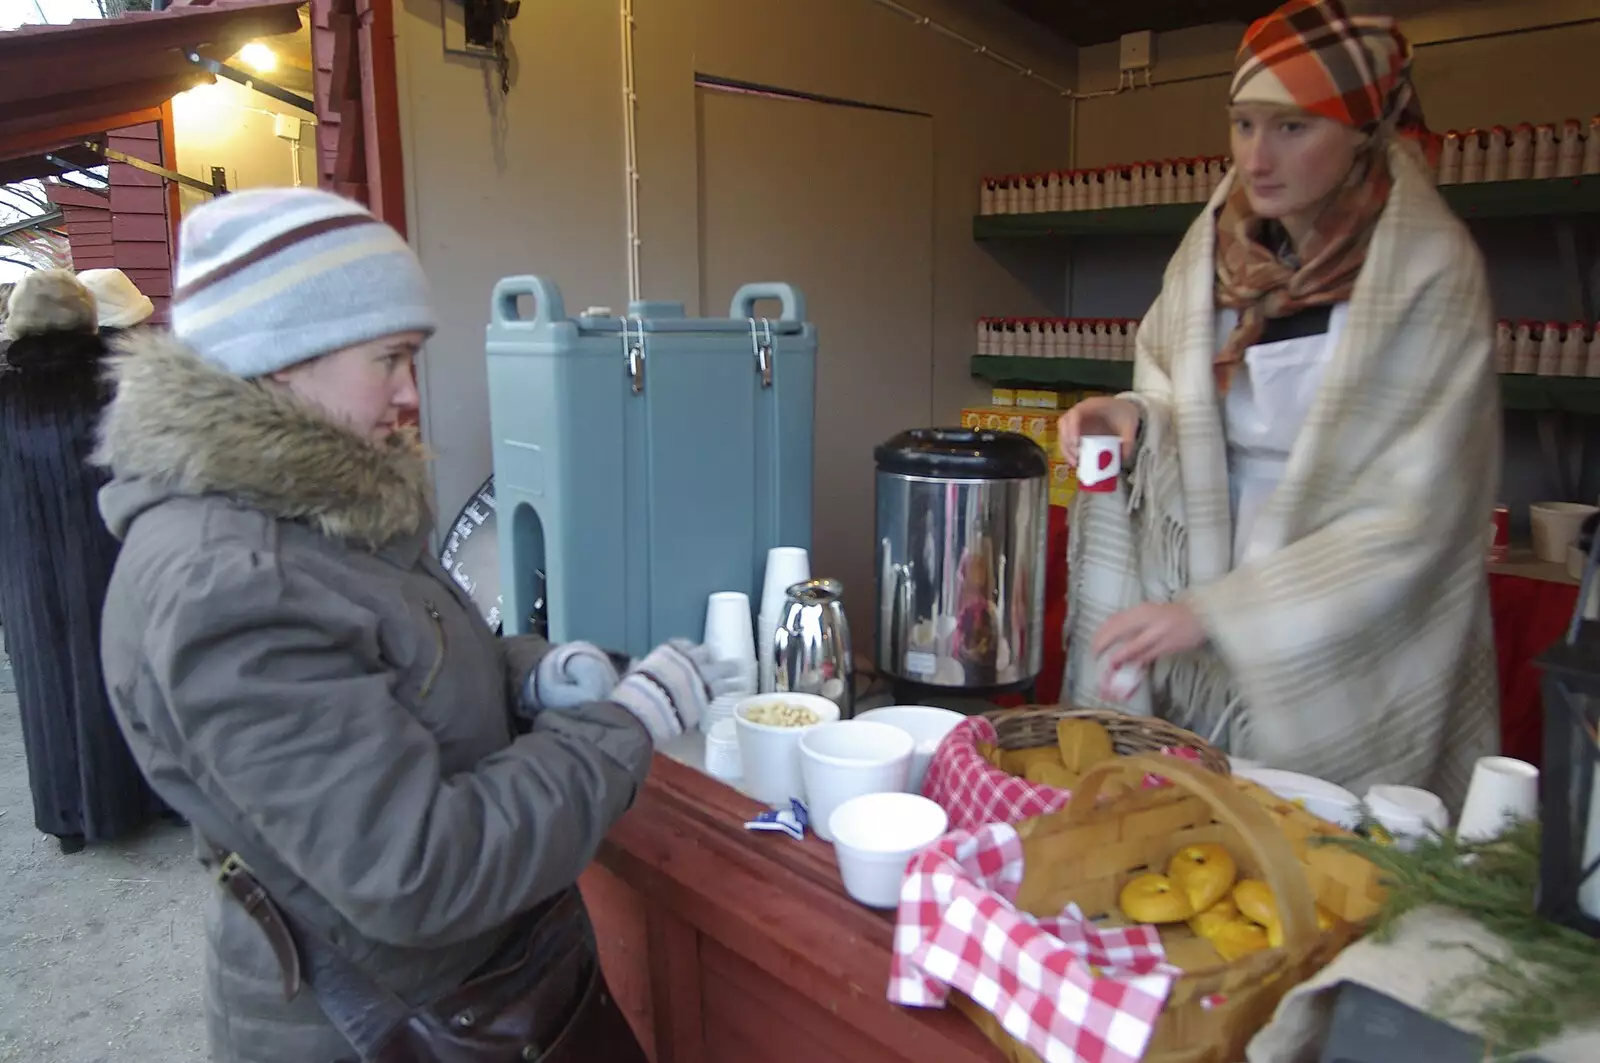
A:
<point x="1086" y="852"/>
<point x="1035" y="725"/>
<point x="974" y="791"/>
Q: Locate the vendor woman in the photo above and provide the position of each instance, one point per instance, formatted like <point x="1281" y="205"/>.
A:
<point x="1295" y="568"/>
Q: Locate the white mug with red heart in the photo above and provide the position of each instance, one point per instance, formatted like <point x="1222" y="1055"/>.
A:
<point x="1099" y="463"/>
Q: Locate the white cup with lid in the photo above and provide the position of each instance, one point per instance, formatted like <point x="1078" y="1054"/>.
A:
<point x="1407" y="812"/>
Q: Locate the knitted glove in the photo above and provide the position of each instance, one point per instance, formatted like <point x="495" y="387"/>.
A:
<point x="570" y="675"/>
<point x="668" y="690"/>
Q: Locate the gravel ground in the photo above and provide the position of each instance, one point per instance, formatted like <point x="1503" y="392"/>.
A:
<point x="100" y="952"/>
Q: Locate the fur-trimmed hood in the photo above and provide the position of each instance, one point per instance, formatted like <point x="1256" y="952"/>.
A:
<point x="179" y="426"/>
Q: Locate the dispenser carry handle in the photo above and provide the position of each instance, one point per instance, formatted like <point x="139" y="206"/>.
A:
<point x="745" y="299"/>
<point x="547" y="304"/>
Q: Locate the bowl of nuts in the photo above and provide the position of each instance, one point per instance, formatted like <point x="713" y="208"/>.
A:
<point x="770" y="726"/>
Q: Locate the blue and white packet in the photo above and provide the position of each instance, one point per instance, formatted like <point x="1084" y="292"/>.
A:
<point x="792" y="821"/>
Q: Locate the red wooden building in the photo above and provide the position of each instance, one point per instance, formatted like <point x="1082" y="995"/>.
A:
<point x="71" y="90"/>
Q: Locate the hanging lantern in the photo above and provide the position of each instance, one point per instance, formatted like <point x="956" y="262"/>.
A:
<point x="1569" y="797"/>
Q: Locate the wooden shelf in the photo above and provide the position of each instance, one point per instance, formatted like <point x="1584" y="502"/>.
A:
<point x="1520" y="391"/>
<point x="1517" y="391"/>
<point x="1521" y="562"/>
<point x="1552" y="197"/>
<point x="1044" y="372"/>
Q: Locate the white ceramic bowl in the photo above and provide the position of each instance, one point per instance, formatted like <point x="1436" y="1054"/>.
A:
<point x="876" y="835"/>
<point x="927" y="727"/>
<point x="849" y="758"/>
<point x="771" y="755"/>
<point x="1322" y="799"/>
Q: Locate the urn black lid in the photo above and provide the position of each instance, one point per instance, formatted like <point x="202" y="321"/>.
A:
<point x="962" y="454"/>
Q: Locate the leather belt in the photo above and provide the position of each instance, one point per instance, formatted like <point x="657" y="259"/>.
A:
<point x="234" y="876"/>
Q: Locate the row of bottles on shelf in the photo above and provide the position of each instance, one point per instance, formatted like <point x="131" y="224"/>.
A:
<point x="1132" y="184"/>
<point x="1543" y="348"/>
<point x="1548" y="348"/>
<point x="1109" y="339"/>
<point x="1525" y="151"/>
<point x="1496" y="154"/>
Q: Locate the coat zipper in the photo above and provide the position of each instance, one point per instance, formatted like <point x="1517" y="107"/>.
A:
<point x="438" y="638"/>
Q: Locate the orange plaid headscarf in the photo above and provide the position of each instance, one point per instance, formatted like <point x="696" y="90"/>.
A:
<point x="1325" y="58"/>
<point x="1318" y="56"/>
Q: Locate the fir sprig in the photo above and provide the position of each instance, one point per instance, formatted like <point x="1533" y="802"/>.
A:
<point x="1552" y="975"/>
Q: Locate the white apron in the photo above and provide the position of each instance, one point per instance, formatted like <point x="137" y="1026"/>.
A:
<point x="1266" y="405"/>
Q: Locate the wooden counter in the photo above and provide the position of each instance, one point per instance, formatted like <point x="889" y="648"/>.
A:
<point x="733" y="946"/>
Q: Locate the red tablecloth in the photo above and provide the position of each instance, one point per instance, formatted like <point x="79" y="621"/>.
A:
<point x="1529" y="615"/>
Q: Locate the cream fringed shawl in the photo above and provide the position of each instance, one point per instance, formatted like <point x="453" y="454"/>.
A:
<point x="1357" y="647"/>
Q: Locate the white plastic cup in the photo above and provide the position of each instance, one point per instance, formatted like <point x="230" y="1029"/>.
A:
<point x="786" y="566"/>
<point x="771" y="755"/>
<point x="728" y="634"/>
<point x="722" y="751"/>
<point x="1502" y="788"/>
<point x="767" y="668"/>
<point x="927" y="726"/>
<point x="1555" y="527"/>
<point x="874" y="838"/>
<point x="720" y="709"/>
<point x="849" y="758"/>
<point x="744" y="683"/>
<point x="1099" y="463"/>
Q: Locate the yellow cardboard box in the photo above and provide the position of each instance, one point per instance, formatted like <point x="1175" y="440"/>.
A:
<point x="1046" y="400"/>
<point x="993" y="418"/>
<point x="1040" y="426"/>
<point x="1003" y="397"/>
<point x="1063" y="482"/>
<point x="1003" y="419"/>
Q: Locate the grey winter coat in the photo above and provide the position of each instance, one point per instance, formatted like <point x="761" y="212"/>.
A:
<point x="298" y="677"/>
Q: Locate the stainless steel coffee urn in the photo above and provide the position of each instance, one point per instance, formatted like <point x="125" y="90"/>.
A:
<point x="961" y="531"/>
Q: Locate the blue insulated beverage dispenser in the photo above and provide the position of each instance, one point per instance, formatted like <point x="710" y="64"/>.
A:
<point x="643" y="462"/>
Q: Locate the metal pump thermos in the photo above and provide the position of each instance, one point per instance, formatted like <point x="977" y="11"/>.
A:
<point x="811" y="646"/>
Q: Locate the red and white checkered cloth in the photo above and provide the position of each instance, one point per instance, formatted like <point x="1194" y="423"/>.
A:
<point x="1070" y="991"/>
<point x="975" y="792"/>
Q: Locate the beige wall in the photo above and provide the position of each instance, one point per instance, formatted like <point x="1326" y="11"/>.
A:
<point x="228" y="125"/>
<point x="1481" y="63"/>
<point x="535" y="182"/>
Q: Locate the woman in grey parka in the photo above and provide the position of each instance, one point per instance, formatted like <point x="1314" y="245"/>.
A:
<point x="298" y="677"/>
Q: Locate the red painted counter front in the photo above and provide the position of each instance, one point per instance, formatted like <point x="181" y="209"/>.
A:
<point x="730" y="946"/>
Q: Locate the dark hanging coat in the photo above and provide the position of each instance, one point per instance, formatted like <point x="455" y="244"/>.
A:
<point x="55" y="562"/>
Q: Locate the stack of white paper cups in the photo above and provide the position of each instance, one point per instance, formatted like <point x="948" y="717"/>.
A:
<point x="729" y="637"/>
<point x="786" y="566"/>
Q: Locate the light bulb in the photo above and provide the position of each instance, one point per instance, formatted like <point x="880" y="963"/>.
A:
<point x="258" y="57"/>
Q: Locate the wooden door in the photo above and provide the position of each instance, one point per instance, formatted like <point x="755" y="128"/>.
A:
<point x="838" y="201"/>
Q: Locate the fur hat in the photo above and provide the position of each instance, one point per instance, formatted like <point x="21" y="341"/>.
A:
<point x="119" y="301"/>
<point x="50" y="300"/>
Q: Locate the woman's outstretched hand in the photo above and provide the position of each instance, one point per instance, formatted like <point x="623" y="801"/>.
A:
<point x="1099" y="416"/>
<point x="1145" y="633"/>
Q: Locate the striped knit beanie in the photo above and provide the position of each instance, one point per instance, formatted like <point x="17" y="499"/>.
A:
<point x="1340" y="59"/>
<point x="272" y="277"/>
